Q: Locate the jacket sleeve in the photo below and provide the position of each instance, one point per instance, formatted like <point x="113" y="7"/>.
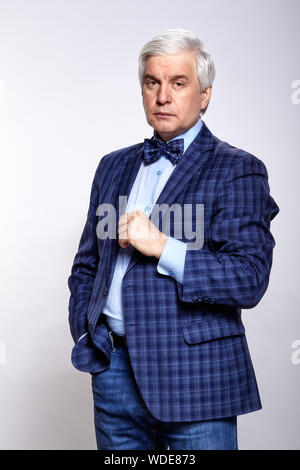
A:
<point x="233" y="267"/>
<point x="84" y="268"/>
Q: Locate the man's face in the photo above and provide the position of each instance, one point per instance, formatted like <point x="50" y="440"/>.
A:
<point x="171" y="93"/>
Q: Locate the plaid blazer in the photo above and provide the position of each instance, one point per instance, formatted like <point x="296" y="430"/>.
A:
<point x="186" y="341"/>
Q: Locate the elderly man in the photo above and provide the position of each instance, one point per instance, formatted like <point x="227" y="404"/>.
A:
<point x="156" y="317"/>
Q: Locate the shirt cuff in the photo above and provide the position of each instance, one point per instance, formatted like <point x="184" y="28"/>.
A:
<point x="172" y="259"/>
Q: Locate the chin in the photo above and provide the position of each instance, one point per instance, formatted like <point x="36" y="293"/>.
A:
<point x="167" y="129"/>
<point x="164" y="127"/>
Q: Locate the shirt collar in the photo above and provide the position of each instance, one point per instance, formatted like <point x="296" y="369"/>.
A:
<point x="187" y="136"/>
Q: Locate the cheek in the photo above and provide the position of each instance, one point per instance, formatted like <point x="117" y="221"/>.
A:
<point x="191" y="104"/>
<point x="184" y="105"/>
<point x="147" y="102"/>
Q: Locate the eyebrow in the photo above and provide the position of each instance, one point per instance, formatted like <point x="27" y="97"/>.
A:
<point x="172" y="77"/>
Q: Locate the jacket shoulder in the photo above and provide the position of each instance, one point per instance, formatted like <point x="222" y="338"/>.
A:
<point x="228" y="156"/>
<point x="111" y="160"/>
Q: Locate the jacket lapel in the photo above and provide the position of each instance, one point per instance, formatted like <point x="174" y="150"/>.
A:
<point x="195" y="156"/>
<point x="129" y="167"/>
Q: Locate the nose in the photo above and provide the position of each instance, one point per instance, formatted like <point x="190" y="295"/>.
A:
<point x="163" y="95"/>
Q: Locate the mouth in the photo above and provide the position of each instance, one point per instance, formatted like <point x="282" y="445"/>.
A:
<point x="163" y="114"/>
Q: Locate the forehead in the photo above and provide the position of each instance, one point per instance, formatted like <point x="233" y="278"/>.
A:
<point x="174" y="64"/>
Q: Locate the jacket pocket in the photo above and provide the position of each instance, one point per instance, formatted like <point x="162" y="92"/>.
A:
<point x="206" y="330"/>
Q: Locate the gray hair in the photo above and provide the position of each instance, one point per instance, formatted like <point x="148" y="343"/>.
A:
<point x="170" y="42"/>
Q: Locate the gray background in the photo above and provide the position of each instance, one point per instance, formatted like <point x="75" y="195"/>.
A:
<point x="69" y="94"/>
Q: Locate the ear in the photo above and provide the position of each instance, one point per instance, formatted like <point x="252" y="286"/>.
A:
<point x="205" y="95"/>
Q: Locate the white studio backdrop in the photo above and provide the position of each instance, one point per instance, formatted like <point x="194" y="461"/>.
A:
<point x="69" y="94"/>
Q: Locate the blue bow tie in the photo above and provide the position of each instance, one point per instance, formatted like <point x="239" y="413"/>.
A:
<point x="154" y="149"/>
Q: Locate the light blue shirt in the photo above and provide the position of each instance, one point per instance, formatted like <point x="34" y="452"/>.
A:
<point x="146" y="189"/>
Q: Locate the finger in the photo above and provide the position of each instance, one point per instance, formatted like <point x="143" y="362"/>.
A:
<point x="133" y="214"/>
<point x="123" y="233"/>
<point x="123" y="221"/>
<point x="123" y="236"/>
<point x="123" y="244"/>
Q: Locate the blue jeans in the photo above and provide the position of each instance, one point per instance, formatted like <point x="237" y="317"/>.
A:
<point x="122" y="421"/>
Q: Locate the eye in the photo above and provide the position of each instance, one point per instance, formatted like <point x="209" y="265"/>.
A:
<point x="178" y="84"/>
<point x="150" y="83"/>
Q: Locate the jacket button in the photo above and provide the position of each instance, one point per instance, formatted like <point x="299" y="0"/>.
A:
<point x="105" y="291"/>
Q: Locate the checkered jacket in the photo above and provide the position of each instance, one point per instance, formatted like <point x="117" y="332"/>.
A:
<point x="186" y="341"/>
